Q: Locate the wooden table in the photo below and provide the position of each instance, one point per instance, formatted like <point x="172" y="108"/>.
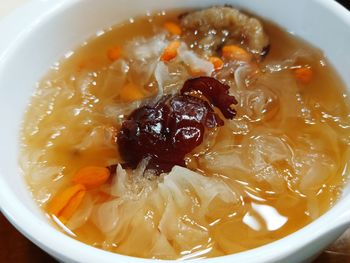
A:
<point x="16" y="248"/>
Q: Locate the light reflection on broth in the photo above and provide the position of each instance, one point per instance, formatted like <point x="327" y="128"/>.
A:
<point x="280" y="164"/>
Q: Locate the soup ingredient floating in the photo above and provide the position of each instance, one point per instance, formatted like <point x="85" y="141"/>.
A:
<point x="188" y="135"/>
<point x="174" y="126"/>
<point x="64" y="205"/>
<point x="219" y="25"/>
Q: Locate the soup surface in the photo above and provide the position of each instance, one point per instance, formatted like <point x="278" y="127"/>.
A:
<point x="248" y="180"/>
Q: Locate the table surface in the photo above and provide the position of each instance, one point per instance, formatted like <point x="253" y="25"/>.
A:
<point x="14" y="247"/>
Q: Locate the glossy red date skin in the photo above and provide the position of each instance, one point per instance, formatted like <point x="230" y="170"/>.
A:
<point x="216" y="92"/>
<point x="172" y="128"/>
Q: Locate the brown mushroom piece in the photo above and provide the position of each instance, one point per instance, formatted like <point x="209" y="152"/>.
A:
<point x="218" y="26"/>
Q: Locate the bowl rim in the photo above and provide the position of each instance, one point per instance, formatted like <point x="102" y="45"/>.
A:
<point x="57" y="243"/>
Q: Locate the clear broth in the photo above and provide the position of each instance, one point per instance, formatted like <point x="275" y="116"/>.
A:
<point x="67" y="118"/>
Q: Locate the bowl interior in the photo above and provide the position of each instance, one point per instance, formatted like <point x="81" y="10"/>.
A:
<point x="43" y="32"/>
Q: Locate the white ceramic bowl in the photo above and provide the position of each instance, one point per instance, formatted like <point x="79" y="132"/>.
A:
<point x="40" y="33"/>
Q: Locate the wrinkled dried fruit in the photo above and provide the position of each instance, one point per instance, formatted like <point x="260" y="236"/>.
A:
<point x="173" y="28"/>
<point x="92" y="176"/>
<point x="71" y="207"/>
<point x="217" y="62"/>
<point x="216" y="92"/>
<point x="236" y="53"/>
<point x="170" y="52"/>
<point x="66" y="203"/>
<point x="172" y="128"/>
<point x="304" y="75"/>
<point x="114" y="53"/>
